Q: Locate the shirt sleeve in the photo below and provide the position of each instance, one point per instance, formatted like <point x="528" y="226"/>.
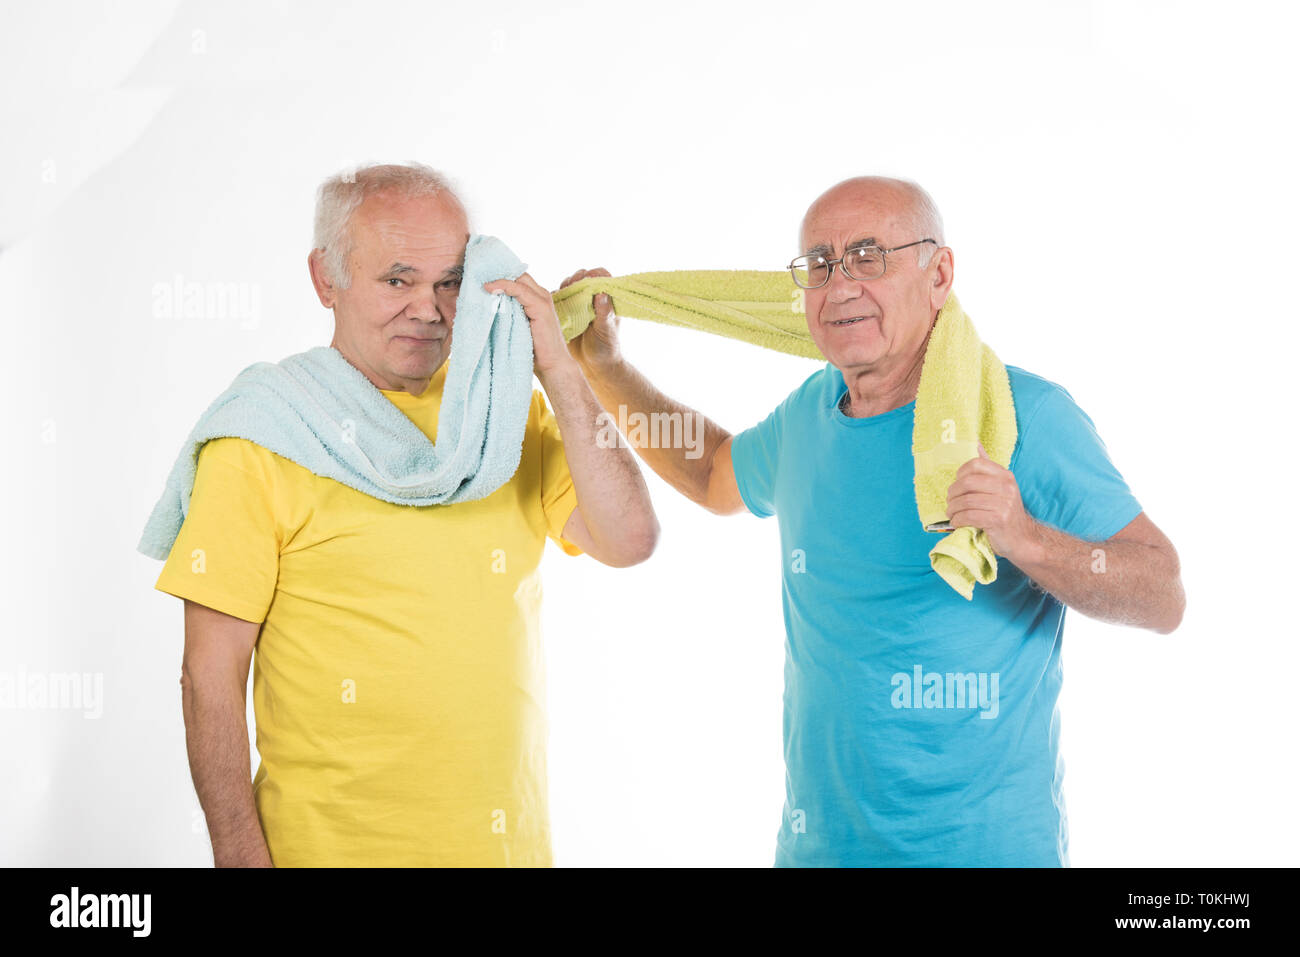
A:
<point x="227" y="555"/>
<point x="755" y="454"/>
<point x="559" y="497"/>
<point x="1065" y="474"/>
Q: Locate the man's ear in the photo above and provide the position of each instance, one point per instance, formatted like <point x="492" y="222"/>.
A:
<point x="941" y="267"/>
<point x="320" y="278"/>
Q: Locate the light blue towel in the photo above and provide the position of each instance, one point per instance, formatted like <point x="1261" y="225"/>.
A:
<point x="317" y="409"/>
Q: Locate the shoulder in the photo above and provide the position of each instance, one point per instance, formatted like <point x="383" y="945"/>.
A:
<point x="826" y="380"/>
<point x="1038" y="401"/>
<point x="817" y="389"/>
<point x="820" y="389"/>
<point x="233" y="452"/>
<point x="1029" y="390"/>
<point x="1049" y="420"/>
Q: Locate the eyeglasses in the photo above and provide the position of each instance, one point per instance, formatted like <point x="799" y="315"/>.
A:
<point x="858" y="262"/>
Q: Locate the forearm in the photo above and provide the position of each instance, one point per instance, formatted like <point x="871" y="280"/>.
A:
<point x="612" y="494"/>
<point x="1123" y="582"/>
<point x="631" y="398"/>
<point x="216" y="739"/>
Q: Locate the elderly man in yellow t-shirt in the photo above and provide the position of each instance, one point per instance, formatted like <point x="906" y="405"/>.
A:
<point x="398" y="687"/>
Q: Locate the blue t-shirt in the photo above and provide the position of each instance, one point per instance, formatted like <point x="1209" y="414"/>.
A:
<point x="920" y="729"/>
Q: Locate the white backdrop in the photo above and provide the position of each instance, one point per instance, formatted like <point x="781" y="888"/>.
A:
<point x="1117" y="181"/>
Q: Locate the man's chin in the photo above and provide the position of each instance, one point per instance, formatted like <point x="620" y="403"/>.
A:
<point x="853" y="357"/>
<point x="426" y="369"/>
<point x="415" y="357"/>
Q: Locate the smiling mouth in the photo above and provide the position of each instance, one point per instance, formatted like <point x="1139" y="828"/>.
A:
<point x="848" y="322"/>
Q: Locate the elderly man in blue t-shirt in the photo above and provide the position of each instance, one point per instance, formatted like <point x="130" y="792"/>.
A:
<point x="886" y="765"/>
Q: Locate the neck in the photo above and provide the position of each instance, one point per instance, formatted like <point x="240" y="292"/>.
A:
<point x="877" y="391"/>
<point x="413" y="386"/>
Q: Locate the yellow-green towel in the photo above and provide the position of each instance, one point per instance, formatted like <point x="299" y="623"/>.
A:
<point x="964" y="395"/>
<point x="765" y="308"/>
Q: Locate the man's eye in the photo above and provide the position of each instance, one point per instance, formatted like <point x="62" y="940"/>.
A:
<point x="394" y="279"/>
<point x="451" y="284"/>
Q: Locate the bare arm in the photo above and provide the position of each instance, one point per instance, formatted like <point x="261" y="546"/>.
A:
<point x="615" y="521"/>
<point x="701" y="471"/>
<point x="1131" y="578"/>
<point x="214" y="676"/>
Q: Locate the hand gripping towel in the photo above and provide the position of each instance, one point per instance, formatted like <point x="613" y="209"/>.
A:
<point x="763" y="308"/>
<point x="964" y="396"/>
<point x="318" y="410"/>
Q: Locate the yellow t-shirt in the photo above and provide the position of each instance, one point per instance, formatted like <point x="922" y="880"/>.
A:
<point x="398" y="680"/>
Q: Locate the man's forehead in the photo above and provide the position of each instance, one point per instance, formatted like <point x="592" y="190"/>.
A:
<point x="427" y="219"/>
<point x="868" y="226"/>
<point x="417" y="259"/>
<point x="412" y="238"/>
<point x="834" y="222"/>
<point x="830" y="245"/>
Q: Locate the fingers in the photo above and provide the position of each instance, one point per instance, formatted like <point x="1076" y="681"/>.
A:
<point x="534" y="300"/>
<point x="532" y="284"/>
<point x="585" y="274"/>
<point x="601" y="302"/>
<point x="978" y="466"/>
<point x="523" y="288"/>
<point x="979" y="499"/>
<point x="528" y="292"/>
<point x="506" y="286"/>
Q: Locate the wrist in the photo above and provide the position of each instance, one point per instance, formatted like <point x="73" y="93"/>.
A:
<point x="1030" y="549"/>
<point x="602" y="370"/>
<point x="555" y="374"/>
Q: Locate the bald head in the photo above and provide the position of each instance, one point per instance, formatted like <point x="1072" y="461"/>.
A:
<point x="898" y="204"/>
<point x="874" y="330"/>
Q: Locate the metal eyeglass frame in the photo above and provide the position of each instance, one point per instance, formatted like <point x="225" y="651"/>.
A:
<point x="832" y="263"/>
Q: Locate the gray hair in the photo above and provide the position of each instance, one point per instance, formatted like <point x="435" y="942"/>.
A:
<point x="341" y="194"/>
<point x="925" y="220"/>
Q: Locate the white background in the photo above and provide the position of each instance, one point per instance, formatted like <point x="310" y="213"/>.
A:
<point x="1117" y="181"/>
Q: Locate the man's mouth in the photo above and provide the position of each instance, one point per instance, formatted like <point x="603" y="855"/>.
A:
<point x="848" y="322"/>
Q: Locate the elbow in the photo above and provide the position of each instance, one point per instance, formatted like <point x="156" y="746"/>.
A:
<point x="1169" y="624"/>
<point x="721" y="501"/>
<point x="725" y="508"/>
<point x="1176" y="606"/>
<point x="643" y="544"/>
<point x="636" y="546"/>
<point x="1168" y="627"/>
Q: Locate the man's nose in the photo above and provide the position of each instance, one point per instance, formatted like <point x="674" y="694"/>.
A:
<point x="426" y="307"/>
<point x="841" y="288"/>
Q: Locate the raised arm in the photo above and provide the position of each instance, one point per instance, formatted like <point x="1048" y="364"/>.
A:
<point x="703" y="472"/>
<point x="615" y="521"/>
<point x="214" y="676"/>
